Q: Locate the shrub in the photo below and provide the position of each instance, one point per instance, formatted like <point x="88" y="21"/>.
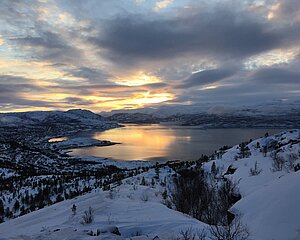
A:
<point x="277" y="161"/>
<point x="144" y="197"/>
<point x="202" y="199"/>
<point x="255" y="171"/>
<point x="88" y="216"/>
<point x="187" y="234"/>
<point x="290" y="162"/>
<point x="235" y="230"/>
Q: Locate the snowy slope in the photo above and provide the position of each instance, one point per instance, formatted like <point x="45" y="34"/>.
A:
<point x="83" y="117"/>
<point x="273" y="211"/>
<point x="134" y="209"/>
<point x="270" y="202"/>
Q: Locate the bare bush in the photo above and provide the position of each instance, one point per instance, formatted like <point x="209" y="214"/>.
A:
<point x="88" y="216"/>
<point x="187" y="234"/>
<point x="277" y="161"/>
<point x="290" y="161"/>
<point x="201" y="234"/>
<point x="137" y="233"/>
<point x="110" y="219"/>
<point x="144" y="197"/>
<point x="111" y="194"/>
<point x="255" y="170"/>
<point x="235" y="230"/>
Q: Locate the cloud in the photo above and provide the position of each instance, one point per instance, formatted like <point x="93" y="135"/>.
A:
<point x="207" y="77"/>
<point x="159" y="5"/>
<point x="49" y="46"/>
<point x="197" y="50"/>
<point x="47" y="40"/>
<point x="93" y="75"/>
<point x="77" y="101"/>
<point x="223" y="34"/>
<point x="276" y="76"/>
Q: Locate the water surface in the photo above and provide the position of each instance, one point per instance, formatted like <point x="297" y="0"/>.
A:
<point x="158" y="142"/>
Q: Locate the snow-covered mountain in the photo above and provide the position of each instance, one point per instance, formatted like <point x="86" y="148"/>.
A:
<point x="73" y="116"/>
<point x="266" y="172"/>
<point x="275" y="107"/>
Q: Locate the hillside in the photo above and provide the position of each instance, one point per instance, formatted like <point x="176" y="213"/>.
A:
<point x="270" y="192"/>
<point x="142" y="207"/>
<point x="71" y="117"/>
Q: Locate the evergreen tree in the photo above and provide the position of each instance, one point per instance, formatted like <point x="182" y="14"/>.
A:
<point x="16" y="205"/>
<point x="1" y="208"/>
<point x="214" y="170"/>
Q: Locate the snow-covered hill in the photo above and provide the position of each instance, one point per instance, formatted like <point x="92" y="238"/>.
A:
<point x="135" y="210"/>
<point x="270" y="202"/>
<point x="73" y="116"/>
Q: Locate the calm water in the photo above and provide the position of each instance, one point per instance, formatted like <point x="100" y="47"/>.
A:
<point x="164" y="142"/>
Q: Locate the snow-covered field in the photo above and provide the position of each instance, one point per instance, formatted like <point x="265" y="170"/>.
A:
<point x="137" y="208"/>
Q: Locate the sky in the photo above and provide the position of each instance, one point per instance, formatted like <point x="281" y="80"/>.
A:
<point x="106" y="55"/>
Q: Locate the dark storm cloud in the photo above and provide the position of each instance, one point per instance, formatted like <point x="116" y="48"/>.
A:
<point x="247" y="93"/>
<point x="19" y="101"/>
<point x="221" y="33"/>
<point x="14" y="84"/>
<point x="91" y="74"/>
<point x="207" y="77"/>
<point x="276" y="76"/>
<point x="49" y="46"/>
<point x="46" y="40"/>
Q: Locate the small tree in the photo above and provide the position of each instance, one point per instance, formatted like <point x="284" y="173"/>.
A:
<point x="88" y="216"/>
<point x="244" y="150"/>
<point x="1" y="208"/>
<point x="157" y="171"/>
<point x="214" y="169"/>
<point x="265" y="150"/>
<point x="143" y="182"/>
<point x="255" y="171"/>
<point x="16" y="205"/>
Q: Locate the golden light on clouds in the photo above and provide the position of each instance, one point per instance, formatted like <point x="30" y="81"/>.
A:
<point x="150" y="98"/>
<point x="210" y="87"/>
<point x="273" y="11"/>
<point x="102" y="56"/>
<point x="1" y="41"/>
<point x="39" y="71"/>
<point x="162" y="4"/>
<point x="272" y="57"/>
<point x="136" y="101"/>
<point x="137" y="79"/>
